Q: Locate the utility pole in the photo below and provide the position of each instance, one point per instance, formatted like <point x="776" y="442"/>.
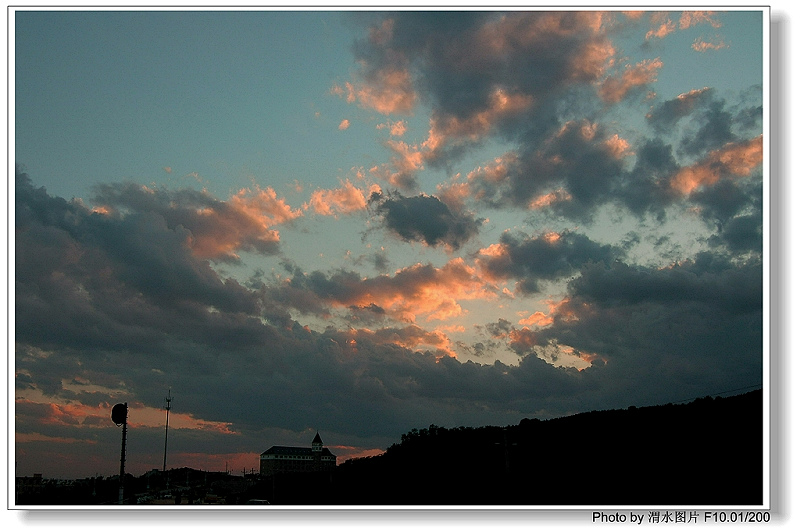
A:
<point x="119" y="414"/>
<point x="166" y="432"/>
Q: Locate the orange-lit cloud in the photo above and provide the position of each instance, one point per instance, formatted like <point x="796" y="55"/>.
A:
<point x="406" y="161"/>
<point x="614" y="89"/>
<point x="344" y="200"/>
<point x="538" y="318"/>
<point x="633" y="15"/>
<point x="617" y="146"/>
<point x="692" y="18"/>
<point x="417" y="291"/>
<point x="33" y="437"/>
<point x="559" y="195"/>
<point x="344" y="125"/>
<point x="662" y="25"/>
<point x="245" y="221"/>
<point x="512" y="31"/>
<point x="454" y="193"/>
<point x="411" y="337"/>
<point x="733" y="160"/>
<point x="433" y="292"/>
<point x="702" y="46"/>
<point x="156" y="417"/>
<point x="502" y="104"/>
<point x="494" y="172"/>
<point x="234" y="463"/>
<point x="397" y="128"/>
<point x="71" y="413"/>
<point x="389" y="91"/>
<point x="343" y="453"/>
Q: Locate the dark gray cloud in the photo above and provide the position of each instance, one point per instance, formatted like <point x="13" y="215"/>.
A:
<point x="704" y="121"/>
<point x="582" y="161"/>
<point x="700" y="317"/>
<point x="215" y="227"/>
<point x="82" y="277"/>
<point x="545" y="258"/>
<point x="86" y="312"/>
<point x="460" y="58"/>
<point x="695" y="325"/>
<point x="666" y="115"/>
<point x="485" y="73"/>
<point x="425" y="218"/>
<point x="547" y="66"/>
<point x="124" y="301"/>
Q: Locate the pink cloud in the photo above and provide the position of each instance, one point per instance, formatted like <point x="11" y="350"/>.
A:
<point x="538" y="318"/>
<point x="346" y="199"/>
<point x="692" y="18"/>
<point x="417" y="291"/>
<point x="701" y="45"/>
<point x="388" y="91"/>
<point x="733" y="160"/>
<point x="454" y="193"/>
<point x="502" y="104"/>
<point x="662" y="24"/>
<point x="397" y="128"/>
<point x="244" y="222"/>
<point x="614" y="89"/>
<point x="542" y="201"/>
<point x="411" y="337"/>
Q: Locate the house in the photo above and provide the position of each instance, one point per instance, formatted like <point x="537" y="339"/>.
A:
<point x="297" y="459"/>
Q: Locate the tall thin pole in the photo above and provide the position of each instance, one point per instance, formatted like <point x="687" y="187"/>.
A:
<point x="122" y="457"/>
<point x="166" y="432"/>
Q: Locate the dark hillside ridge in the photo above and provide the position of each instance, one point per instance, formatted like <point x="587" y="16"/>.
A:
<point x="708" y="452"/>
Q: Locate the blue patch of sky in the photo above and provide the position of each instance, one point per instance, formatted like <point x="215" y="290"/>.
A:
<point x="110" y="96"/>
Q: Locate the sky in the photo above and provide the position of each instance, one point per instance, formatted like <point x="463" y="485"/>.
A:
<point x="362" y="222"/>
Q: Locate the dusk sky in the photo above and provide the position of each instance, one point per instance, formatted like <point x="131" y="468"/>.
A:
<point x="359" y="223"/>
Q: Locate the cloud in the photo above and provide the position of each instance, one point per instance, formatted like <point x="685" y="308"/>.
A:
<point x="482" y="73"/>
<point x="426" y="219"/>
<point x="614" y="89"/>
<point x="709" y="290"/>
<point x="581" y="164"/>
<point x="128" y="296"/>
<point x="703" y="46"/>
<point x="79" y="274"/>
<point x="560" y="162"/>
<point x="692" y="18"/>
<point x="118" y="305"/>
<point x="397" y="128"/>
<point x="661" y="26"/>
<point x="547" y="257"/>
<point x="415" y="291"/>
<point x="662" y="23"/>
<point x="407" y="160"/>
<point x="735" y="160"/>
<point x="667" y="114"/>
<point x="344" y="125"/>
<point x="344" y="200"/>
<point x="213" y="228"/>
<point x="411" y="337"/>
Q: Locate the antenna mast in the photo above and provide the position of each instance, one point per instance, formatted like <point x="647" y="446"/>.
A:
<point x="166" y="432"/>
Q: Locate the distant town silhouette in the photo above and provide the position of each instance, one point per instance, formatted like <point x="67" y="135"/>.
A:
<point x="705" y="452"/>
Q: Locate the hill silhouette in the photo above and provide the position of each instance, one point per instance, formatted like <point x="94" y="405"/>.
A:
<point x="706" y="453"/>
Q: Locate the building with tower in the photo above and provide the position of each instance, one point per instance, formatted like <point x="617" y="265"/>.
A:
<point x="297" y="459"/>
